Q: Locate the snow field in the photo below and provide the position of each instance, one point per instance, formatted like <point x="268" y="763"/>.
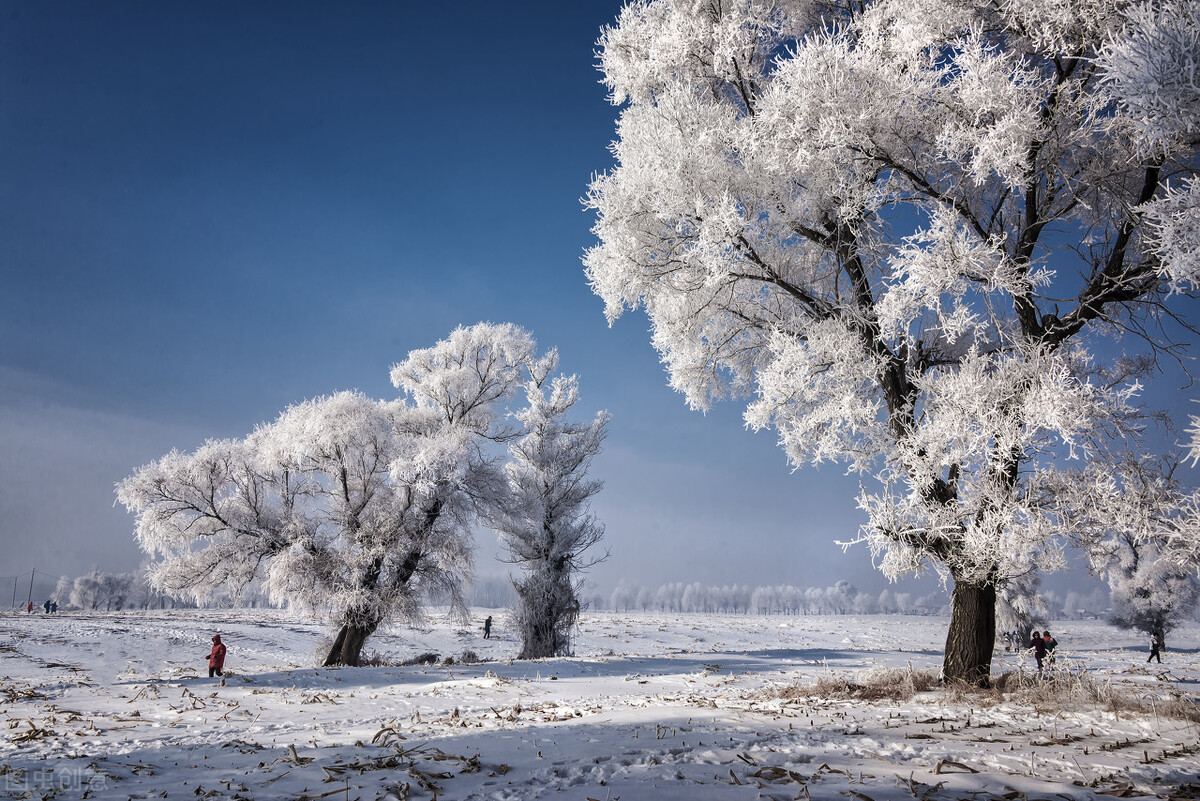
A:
<point x="654" y="706"/>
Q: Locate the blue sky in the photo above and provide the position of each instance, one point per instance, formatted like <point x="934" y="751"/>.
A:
<point x="212" y="210"/>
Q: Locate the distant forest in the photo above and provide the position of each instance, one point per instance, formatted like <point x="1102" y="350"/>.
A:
<point x="116" y="591"/>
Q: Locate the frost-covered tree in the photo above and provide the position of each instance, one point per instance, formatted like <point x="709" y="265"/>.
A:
<point x="62" y="590"/>
<point x="865" y="604"/>
<point x="96" y="590"/>
<point x="1150" y="593"/>
<point x="763" y="601"/>
<point x="345" y="508"/>
<point x="624" y="597"/>
<point x="86" y="591"/>
<point x="547" y="527"/>
<point x="1137" y="525"/>
<point x="896" y="225"/>
<point x="117" y="589"/>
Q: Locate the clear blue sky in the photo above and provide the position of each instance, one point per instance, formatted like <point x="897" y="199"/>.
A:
<point x="209" y="211"/>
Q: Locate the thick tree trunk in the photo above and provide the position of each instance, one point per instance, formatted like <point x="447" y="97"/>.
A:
<point x="347" y="647"/>
<point x="541" y="641"/>
<point x="972" y="634"/>
<point x="547" y="610"/>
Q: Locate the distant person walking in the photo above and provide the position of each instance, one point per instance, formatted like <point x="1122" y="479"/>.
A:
<point x="46" y="606"/>
<point x="1039" y="648"/>
<point x="487" y="628"/>
<point x="216" y="657"/>
<point x="1050" y="643"/>
<point x="54" y="607"/>
<point x="1154" y="646"/>
<point x="29" y="607"/>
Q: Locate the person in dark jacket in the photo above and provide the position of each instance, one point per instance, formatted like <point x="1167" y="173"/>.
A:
<point x="1050" y="642"/>
<point x="216" y="657"/>
<point x="487" y="628"/>
<point x="1039" y="648"/>
<point x="1154" y="646"/>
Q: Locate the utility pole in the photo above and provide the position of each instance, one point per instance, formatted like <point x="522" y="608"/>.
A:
<point x="15" y="591"/>
<point x="32" y="573"/>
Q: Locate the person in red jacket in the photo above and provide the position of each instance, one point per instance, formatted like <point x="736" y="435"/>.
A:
<point x="216" y="658"/>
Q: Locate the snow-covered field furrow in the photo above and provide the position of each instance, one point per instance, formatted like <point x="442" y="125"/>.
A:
<point x="118" y="705"/>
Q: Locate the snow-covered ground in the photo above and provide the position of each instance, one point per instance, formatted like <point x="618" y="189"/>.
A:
<point x="654" y="706"/>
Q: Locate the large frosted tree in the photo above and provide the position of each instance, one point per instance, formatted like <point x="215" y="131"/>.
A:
<point x="345" y="508"/>
<point x="547" y="526"/>
<point x="897" y="226"/>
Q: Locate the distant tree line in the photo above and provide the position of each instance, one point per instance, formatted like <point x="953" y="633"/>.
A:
<point x="100" y="591"/>
<point x="842" y="598"/>
<point x="113" y="592"/>
<point x="491" y="592"/>
<point x="1075" y="605"/>
<point x="783" y="599"/>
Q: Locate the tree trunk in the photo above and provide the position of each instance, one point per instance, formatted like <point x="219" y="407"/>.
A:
<point x="539" y="641"/>
<point x="547" y="609"/>
<point x="349" y="642"/>
<point x="347" y="647"/>
<point x="972" y="635"/>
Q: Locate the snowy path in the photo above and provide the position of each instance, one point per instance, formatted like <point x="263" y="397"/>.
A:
<point x="654" y="706"/>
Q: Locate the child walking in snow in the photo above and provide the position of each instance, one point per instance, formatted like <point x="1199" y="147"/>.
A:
<point x="216" y="657"/>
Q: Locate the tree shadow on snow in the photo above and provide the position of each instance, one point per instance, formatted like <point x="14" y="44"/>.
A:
<point x="1143" y="649"/>
<point x="668" y="754"/>
<point x="770" y="661"/>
